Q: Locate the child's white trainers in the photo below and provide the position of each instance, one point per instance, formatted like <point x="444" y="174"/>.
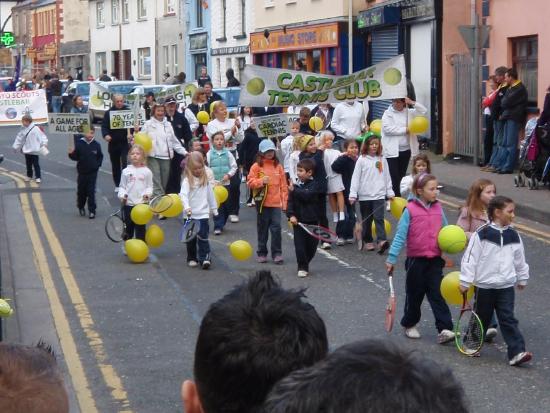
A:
<point x="445" y="336"/>
<point x="302" y="274"/>
<point x="521" y="358"/>
<point x="412" y="332"/>
<point x="192" y="263"/>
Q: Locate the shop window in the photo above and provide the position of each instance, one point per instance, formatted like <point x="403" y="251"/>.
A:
<point x="144" y="62"/>
<point x="316" y="59"/>
<point x="525" y="61"/>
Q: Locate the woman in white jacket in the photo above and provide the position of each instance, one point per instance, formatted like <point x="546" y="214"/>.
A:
<point x="165" y="144"/>
<point x="398" y="144"/>
<point x="30" y="141"/>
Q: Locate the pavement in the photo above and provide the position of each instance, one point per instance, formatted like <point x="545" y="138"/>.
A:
<point x="456" y="175"/>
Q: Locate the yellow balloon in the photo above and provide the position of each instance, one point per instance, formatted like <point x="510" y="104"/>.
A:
<point x="141" y="214"/>
<point x="452" y="239"/>
<point x="240" y="250"/>
<point x="376" y="126"/>
<point x="5" y="308"/>
<point x="154" y="236"/>
<point x="203" y="117"/>
<point x="449" y="289"/>
<point x="137" y="250"/>
<point x="387" y="227"/>
<point x="176" y="208"/>
<point x="419" y="124"/>
<point x="221" y="194"/>
<point x="144" y="140"/>
<point x="316" y="123"/>
<point x="397" y="205"/>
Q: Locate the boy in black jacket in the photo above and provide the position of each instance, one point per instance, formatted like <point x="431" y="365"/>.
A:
<point x="303" y="206"/>
<point x="88" y="156"/>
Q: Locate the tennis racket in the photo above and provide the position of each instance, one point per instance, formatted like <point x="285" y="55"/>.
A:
<point x="115" y="226"/>
<point x="391" y="306"/>
<point x="189" y="229"/>
<point x="321" y="233"/>
<point x="161" y="203"/>
<point x="468" y="330"/>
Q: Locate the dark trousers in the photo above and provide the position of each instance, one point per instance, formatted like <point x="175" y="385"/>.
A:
<point x="502" y="301"/>
<point x="85" y="191"/>
<point x="119" y="159"/>
<point x="488" y="139"/>
<point x="174" y="179"/>
<point x="424" y="278"/>
<point x="269" y="222"/>
<point x="133" y="230"/>
<point x="305" y="246"/>
<point x="223" y="213"/>
<point x="344" y="229"/>
<point x="498" y="136"/>
<point x="374" y="210"/>
<point x="507" y="156"/>
<point x="32" y="162"/>
<point x="234" y="197"/>
<point x="323" y="220"/>
<point x="200" y="243"/>
<point x="398" y="169"/>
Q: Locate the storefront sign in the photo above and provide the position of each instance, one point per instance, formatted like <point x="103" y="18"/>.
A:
<point x="274" y="126"/>
<point x="13" y="105"/>
<point x="70" y="123"/>
<point x="264" y="86"/>
<point x="378" y="16"/>
<point x="299" y="38"/>
<point x="417" y="9"/>
<point x="198" y="41"/>
<point x="229" y="50"/>
<point x="124" y="119"/>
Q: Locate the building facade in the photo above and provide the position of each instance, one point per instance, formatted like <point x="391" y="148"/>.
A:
<point x="170" y="35"/>
<point x="197" y="28"/>
<point x="232" y="21"/>
<point x="74" y="40"/>
<point x="282" y="36"/>
<point x="6" y="64"/>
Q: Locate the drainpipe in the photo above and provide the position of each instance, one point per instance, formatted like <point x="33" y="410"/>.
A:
<point x="350" y="36"/>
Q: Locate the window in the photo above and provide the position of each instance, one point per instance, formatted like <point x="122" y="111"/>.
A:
<point x="166" y="55"/>
<point x="115" y="6"/>
<point x="243" y="17"/>
<point x="144" y="62"/>
<point x="125" y="11"/>
<point x="100" y="63"/>
<point x="200" y="13"/>
<point x="224" y="19"/>
<point x="175" y="58"/>
<point x="169" y="6"/>
<point x="525" y="60"/>
<point x="141" y="9"/>
<point x="269" y="3"/>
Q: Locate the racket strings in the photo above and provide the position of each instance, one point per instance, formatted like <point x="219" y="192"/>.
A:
<point x="161" y="204"/>
<point x="471" y="333"/>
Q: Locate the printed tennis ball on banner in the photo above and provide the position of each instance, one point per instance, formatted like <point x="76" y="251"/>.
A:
<point x="392" y="76"/>
<point x="176" y="208"/>
<point x="96" y="101"/>
<point x="154" y="236"/>
<point x="449" y="289"/>
<point x="141" y="214"/>
<point x="137" y="250"/>
<point x="376" y="126"/>
<point x="387" y="227"/>
<point x="203" y="117"/>
<point x="5" y="308"/>
<point x="452" y="239"/>
<point x="316" y="123"/>
<point x="221" y="194"/>
<point x="255" y="86"/>
<point x="240" y="250"/>
<point x="397" y="205"/>
<point x="144" y="140"/>
<point x="419" y="124"/>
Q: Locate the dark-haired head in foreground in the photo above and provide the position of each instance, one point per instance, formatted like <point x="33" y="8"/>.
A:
<point x="248" y="340"/>
<point x="30" y="381"/>
<point x="369" y="376"/>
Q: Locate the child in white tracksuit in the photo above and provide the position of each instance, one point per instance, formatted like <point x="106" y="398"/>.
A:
<point x="30" y="140"/>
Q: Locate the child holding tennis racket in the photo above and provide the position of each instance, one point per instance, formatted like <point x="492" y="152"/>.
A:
<point x="223" y="164"/>
<point x="303" y="207"/>
<point x="371" y="185"/>
<point x="198" y="198"/>
<point x="419" y="227"/>
<point x="267" y="174"/>
<point x="495" y="262"/>
<point x="136" y="187"/>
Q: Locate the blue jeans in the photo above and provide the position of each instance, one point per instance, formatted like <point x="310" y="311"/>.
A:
<point x="508" y="151"/>
<point x="56" y="104"/>
<point x="344" y="229"/>
<point x="200" y="241"/>
<point x="498" y="127"/>
<point x="269" y="222"/>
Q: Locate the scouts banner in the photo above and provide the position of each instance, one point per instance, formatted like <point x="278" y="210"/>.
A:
<point x="263" y="86"/>
<point x="13" y="105"/>
<point x="274" y="126"/>
<point x="70" y="123"/>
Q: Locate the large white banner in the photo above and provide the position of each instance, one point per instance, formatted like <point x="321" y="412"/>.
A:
<point x="13" y="105"/>
<point x="263" y="86"/>
<point x="69" y="123"/>
<point x="274" y="126"/>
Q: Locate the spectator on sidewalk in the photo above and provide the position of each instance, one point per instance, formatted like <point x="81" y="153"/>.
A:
<point x="203" y="77"/>
<point x="231" y="79"/>
<point x="492" y="91"/>
<point x="496" y="111"/>
<point x="248" y="340"/>
<point x="56" y="91"/>
<point x="30" y="380"/>
<point x="104" y="76"/>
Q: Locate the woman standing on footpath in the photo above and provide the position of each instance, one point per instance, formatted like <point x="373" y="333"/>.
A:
<point x="398" y="143"/>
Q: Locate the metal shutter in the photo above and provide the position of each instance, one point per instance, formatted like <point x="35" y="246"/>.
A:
<point x="384" y="45"/>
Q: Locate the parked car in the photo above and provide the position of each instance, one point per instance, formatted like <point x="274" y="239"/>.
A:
<point x="75" y="88"/>
<point x="144" y="89"/>
<point x="230" y="95"/>
<point x="124" y="87"/>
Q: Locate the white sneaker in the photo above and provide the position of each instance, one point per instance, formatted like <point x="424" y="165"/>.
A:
<point x="38" y="180"/>
<point x="302" y="273"/>
<point x="521" y="358"/>
<point x="234" y="218"/>
<point x="350" y="241"/>
<point x="412" y="332"/>
<point x="116" y="189"/>
<point x="217" y="231"/>
<point x="326" y="246"/>
<point x="491" y="334"/>
<point x="205" y="264"/>
<point x="340" y="241"/>
<point x="445" y="336"/>
<point x="192" y="263"/>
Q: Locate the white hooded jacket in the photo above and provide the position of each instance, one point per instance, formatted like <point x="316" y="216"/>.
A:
<point x="164" y="139"/>
<point x="394" y="127"/>
<point x="30" y="139"/>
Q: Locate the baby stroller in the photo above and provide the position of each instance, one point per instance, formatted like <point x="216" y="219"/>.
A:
<point x="534" y="159"/>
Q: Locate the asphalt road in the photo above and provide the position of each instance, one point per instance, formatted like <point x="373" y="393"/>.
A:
<point x="134" y="326"/>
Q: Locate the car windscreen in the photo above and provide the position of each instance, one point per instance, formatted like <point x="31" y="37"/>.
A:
<point x="122" y="89"/>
